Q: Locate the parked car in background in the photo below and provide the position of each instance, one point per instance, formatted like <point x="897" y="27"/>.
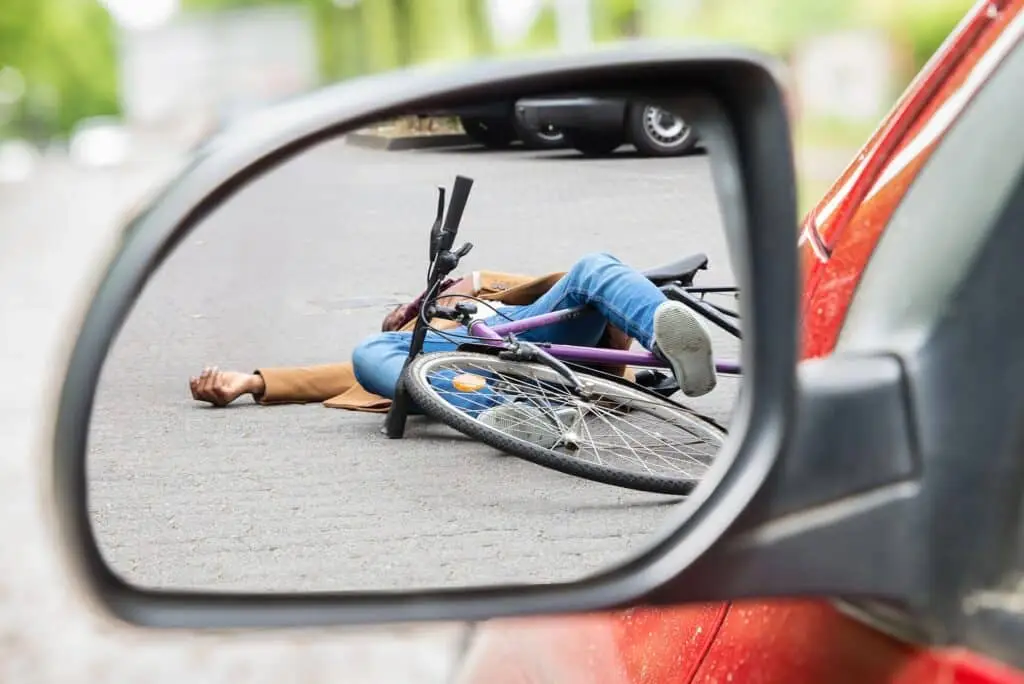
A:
<point x="495" y="126"/>
<point x="596" y="126"/>
<point x="591" y="125"/>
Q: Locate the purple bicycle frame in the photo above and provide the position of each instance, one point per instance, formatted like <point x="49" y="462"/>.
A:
<point x="573" y="353"/>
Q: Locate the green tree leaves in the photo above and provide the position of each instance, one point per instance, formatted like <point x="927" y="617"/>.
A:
<point x="65" y="51"/>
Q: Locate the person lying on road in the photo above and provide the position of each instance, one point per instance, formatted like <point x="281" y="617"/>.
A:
<point x="624" y="306"/>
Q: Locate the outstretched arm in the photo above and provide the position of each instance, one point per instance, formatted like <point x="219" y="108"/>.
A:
<point x="285" y="385"/>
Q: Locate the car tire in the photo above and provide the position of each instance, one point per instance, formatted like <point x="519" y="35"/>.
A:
<point x="593" y="143"/>
<point x="533" y="139"/>
<point x="657" y="133"/>
<point x="495" y="134"/>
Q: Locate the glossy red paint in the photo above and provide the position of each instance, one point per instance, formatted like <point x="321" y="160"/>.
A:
<point x="788" y="642"/>
<point x="772" y="641"/>
<point x="794" y="642"/>
<point x="957" y="667"/>
<point x="642" y="645"/>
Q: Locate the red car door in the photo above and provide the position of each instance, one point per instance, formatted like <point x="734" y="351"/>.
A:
<point x="786" y="641"/>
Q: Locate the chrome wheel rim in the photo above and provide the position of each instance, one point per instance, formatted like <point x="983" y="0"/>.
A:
<point x="663" y="127"/>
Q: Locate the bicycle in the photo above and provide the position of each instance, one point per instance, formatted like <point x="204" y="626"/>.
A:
<point x="563" y="381"/>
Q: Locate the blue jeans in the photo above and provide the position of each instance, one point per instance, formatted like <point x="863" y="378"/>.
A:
<point x="615" y="292"/>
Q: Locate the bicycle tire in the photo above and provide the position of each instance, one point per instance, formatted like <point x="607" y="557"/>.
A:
<point x="428" y="399"/>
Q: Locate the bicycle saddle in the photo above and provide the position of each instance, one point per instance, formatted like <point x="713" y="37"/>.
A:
<point x="683" y="270"/>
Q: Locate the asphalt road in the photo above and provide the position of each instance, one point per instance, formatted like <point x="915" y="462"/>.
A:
<point x="297" y="269"/>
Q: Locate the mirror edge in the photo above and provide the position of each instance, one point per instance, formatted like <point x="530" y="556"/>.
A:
<point x="751" y="95"/>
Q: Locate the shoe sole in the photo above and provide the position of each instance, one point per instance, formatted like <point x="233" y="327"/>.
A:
<point x="686" y="345"/>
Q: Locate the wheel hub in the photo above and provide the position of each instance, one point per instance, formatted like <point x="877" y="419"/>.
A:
<point x="663" y="127"/>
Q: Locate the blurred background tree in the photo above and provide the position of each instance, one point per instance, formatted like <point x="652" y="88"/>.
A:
<point x="918" y="25"/>
<point x="779" y="26"/>
<point x="366" y="36"/>
<point x="65" y="51"/>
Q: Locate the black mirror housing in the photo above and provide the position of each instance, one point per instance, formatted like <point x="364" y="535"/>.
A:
<point x="736" y="100"/>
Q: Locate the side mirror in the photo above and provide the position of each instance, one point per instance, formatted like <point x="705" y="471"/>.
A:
<point x="734" y="100"/>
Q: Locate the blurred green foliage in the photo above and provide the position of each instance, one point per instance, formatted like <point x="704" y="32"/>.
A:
<point x="778" y="26"/>
<point x="66" y="49"/>
<point x="377" y="35"/>
<point x="922" y="25"/>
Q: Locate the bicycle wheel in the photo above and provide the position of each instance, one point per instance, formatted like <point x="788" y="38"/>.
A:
<point x="621" y="435"/>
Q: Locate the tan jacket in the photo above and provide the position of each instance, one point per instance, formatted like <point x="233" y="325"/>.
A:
<point x="335" y="384"/>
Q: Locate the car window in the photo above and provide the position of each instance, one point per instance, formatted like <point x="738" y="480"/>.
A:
<point x="940" y="224"/>
<point x="963" y="84"/>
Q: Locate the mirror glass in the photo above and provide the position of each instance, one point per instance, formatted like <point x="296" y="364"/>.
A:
<point x="575" y="382"/>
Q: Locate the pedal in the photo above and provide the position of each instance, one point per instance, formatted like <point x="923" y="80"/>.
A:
<point x="657" y="381"/>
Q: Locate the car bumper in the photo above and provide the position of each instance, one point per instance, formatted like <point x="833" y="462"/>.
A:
<point x="589" y="113"/>
<point x="495" y="110"/>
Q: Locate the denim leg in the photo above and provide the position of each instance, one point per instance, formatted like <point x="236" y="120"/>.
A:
<point x="617" y="293"/>
<point x="378" y="360"/>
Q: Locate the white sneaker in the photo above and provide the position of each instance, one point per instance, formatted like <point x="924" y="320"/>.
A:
<point x="529" y="423"/>
<point x="682" y="339"/>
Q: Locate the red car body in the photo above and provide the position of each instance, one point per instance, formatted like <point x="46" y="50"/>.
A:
<point x="806" y="640"/>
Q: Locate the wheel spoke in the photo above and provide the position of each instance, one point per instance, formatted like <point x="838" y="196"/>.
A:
<point x="618" y="429"/>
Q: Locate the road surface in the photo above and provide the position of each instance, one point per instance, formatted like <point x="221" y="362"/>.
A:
<point x="297" y="270"/>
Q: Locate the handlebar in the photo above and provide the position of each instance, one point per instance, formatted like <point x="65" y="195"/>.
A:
<point x="442" y="234"/>
<point x="457" y="205"/>
<point x="435" y="230"/>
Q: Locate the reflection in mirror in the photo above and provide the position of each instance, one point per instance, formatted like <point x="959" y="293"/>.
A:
<point x="570" y="387"/>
